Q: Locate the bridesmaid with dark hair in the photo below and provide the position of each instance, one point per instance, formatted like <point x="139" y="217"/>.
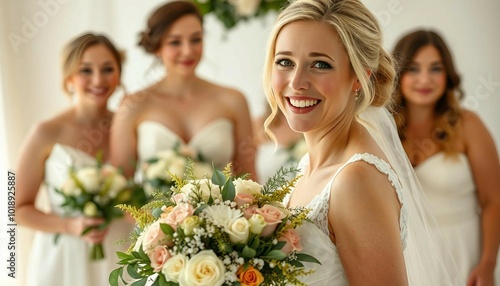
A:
<point x="453" y="154"/>
<point x="182" y="108"/>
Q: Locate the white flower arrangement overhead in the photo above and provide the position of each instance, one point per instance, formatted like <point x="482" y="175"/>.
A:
<point x="230" y="12"/>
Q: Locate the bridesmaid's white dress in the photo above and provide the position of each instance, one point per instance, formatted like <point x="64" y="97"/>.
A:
<point x="269" y="159"/>
<point x="449" y="185"/>
<point x="215" y="141"/>
<point x="67" y="261"/>
<point x="315" y="235"/>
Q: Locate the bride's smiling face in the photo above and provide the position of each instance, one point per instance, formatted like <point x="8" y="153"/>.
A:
<point x="182" y="46"/>
<point x="97" y="76"/>
<point x="312" y="77"/>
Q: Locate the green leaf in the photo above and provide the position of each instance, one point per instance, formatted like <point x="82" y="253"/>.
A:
<point x="143" y="255"/>
<point x="275" y="254"/>
<point x="123" y="255"/>
<point x="157" y="212"/>
<point x="114" y="275"/>
<point x="248" y="252"/>
<point x="141" y="282"/>
<point x="228" y="192"/>
<point x="307" y="258"/>
<point x="218" y="178"/>
<point x="87" y="230"/>
<point x="279" y="245"/>
<point x="200" y="209"/>
<point x="296" y="263"/>
<point x="167" y="229"/>
<point x="255" y="243"/>
<point x="132" y="271"/>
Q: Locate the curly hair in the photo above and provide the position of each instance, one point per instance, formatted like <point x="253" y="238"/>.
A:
<point x="447" y="109"/>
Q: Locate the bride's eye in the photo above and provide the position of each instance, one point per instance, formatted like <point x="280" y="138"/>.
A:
<point x="284" y="63"/>
<point x="85" y="71"/>
<point x="322" y="65"/>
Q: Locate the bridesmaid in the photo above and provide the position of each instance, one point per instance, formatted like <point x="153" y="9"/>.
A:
<point x="91" y="72"/>
<point x="453" y="154"/>
<point x="182" y="108"/>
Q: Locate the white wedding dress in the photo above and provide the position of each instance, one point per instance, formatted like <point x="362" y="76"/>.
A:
<point x="215" y="141"/>
<point x="67" y="261"/>
<point x="449" y="185"/>
<point x="269" y="159"/>
<point x="315" y="236"/>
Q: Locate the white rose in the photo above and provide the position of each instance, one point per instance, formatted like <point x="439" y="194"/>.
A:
<point x="206" y="188"/>
<point x="139" y="241"/>
<point x="248" y="187"/>
<point x="118" y="183"/>
<point x="157" y="170"/>
<point x="245" y="8"/>
<point x="90" y="179"/>
<point x="189" y="224"/>
<point x="178" y="166"/>
<point x="257" y="223"/>
<point x="239" y="230"/>
<point x="173" y="268"/>
<point x="70" y="189"/>
<point x="203" y="269"/>
<point x="90" y="209"/>
<point x="166" y="155"/>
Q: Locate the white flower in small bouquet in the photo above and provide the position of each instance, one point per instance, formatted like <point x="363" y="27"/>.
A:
<point x="217" y="231"/>
<point x="94" y="191"/>
<point x="158" y="172"/>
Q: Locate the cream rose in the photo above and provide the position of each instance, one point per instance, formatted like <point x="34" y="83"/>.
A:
<point x="248" y="187"/>
<point x="90" y="179"/>
<point x="189" y="224"/>
<point x="70" y="188"/>
<point x="206" y="188"/>
<point x="177" y="166"/>
<point x="173" y="268"/>
<point x="90" y="209"/>
<point x="118" y="183"/>
<point x="238" y="230"/>
<point x="257" y="223"/>
<point x="179" y="214"/>
<point x="245" y="8"/>
<point x="158" y="257"/>
<point x="292" y="239"/>
<point x="203" y="269"/>
<point x="157" y="170"/>
<point x="273" y="216"/>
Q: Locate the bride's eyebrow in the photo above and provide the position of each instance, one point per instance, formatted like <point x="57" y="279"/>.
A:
<point x="316" y="54"/>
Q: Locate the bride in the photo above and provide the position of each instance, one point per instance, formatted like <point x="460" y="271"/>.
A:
<point x="327" y="71"/>
<point x="181" y="108"/>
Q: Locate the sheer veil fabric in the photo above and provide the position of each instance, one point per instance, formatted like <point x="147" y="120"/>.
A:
<point x="423" y="258"/>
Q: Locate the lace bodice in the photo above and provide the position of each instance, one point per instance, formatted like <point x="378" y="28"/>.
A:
<point x="319" y="205"/>
<point x="215" y="141"/>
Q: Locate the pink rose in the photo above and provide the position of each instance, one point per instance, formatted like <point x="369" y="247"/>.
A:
<point x="243" y="199"/>
<point x="154" y="237"/>
<point x="250" y="211"/>
<point x="158" y="257"/>
<point x="273" y="216"/>
<point x="179" y="214"/>
<point x="292" y="241"/>
<point x="179" y="198"/>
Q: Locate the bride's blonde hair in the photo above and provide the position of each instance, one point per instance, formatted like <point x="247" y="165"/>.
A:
<point x="361" y="37"/>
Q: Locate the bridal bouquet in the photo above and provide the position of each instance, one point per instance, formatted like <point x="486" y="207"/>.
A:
<point x="158" y="172"/>
<point x="94" y="191"/>
<point x="217" y="231"/>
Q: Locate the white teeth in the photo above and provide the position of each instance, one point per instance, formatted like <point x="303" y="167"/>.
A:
<point x="303" y="103"/>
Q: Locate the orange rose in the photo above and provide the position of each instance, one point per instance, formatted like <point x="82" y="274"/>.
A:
<point x="250" y="276"/>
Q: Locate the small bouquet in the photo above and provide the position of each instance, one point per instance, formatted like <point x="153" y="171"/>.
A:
<point x="94" y="191"/>
<point x="218" y="231"/>
<point x="158" y="172"/>
<point x="230" y="12"/>
<point x="296" y="151"/>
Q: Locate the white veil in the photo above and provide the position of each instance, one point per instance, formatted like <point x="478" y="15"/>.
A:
<point x="427" y="261"/>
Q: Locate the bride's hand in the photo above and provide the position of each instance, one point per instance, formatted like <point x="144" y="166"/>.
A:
<point x="75" y="226"/>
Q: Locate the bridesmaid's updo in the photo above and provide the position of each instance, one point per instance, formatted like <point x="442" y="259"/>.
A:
<point x="74" y="50"/>
<point x="162" y="19"/>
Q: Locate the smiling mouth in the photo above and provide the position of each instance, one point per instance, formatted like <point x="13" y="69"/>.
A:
<point x="98" y="91"/>
<point x="299" y="103"/>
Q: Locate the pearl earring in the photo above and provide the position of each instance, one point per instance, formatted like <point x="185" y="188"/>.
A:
<point x="356" y="94"/>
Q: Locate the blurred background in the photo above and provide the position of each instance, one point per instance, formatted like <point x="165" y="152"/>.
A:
<point x="32" y="34"/>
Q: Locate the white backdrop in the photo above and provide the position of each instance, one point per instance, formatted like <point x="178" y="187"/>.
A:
<point x="32" y="34"/>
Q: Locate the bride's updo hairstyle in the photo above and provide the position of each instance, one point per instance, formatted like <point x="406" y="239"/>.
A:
<point x="73" y="53"/>
<point x="361" y="37"/>
<point x="162" y="19"/>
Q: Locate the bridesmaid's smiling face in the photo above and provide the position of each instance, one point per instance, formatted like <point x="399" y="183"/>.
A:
<point x="97" y="76"/>
<point x="182" y="46"/>
<point x="312" y="78"/>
